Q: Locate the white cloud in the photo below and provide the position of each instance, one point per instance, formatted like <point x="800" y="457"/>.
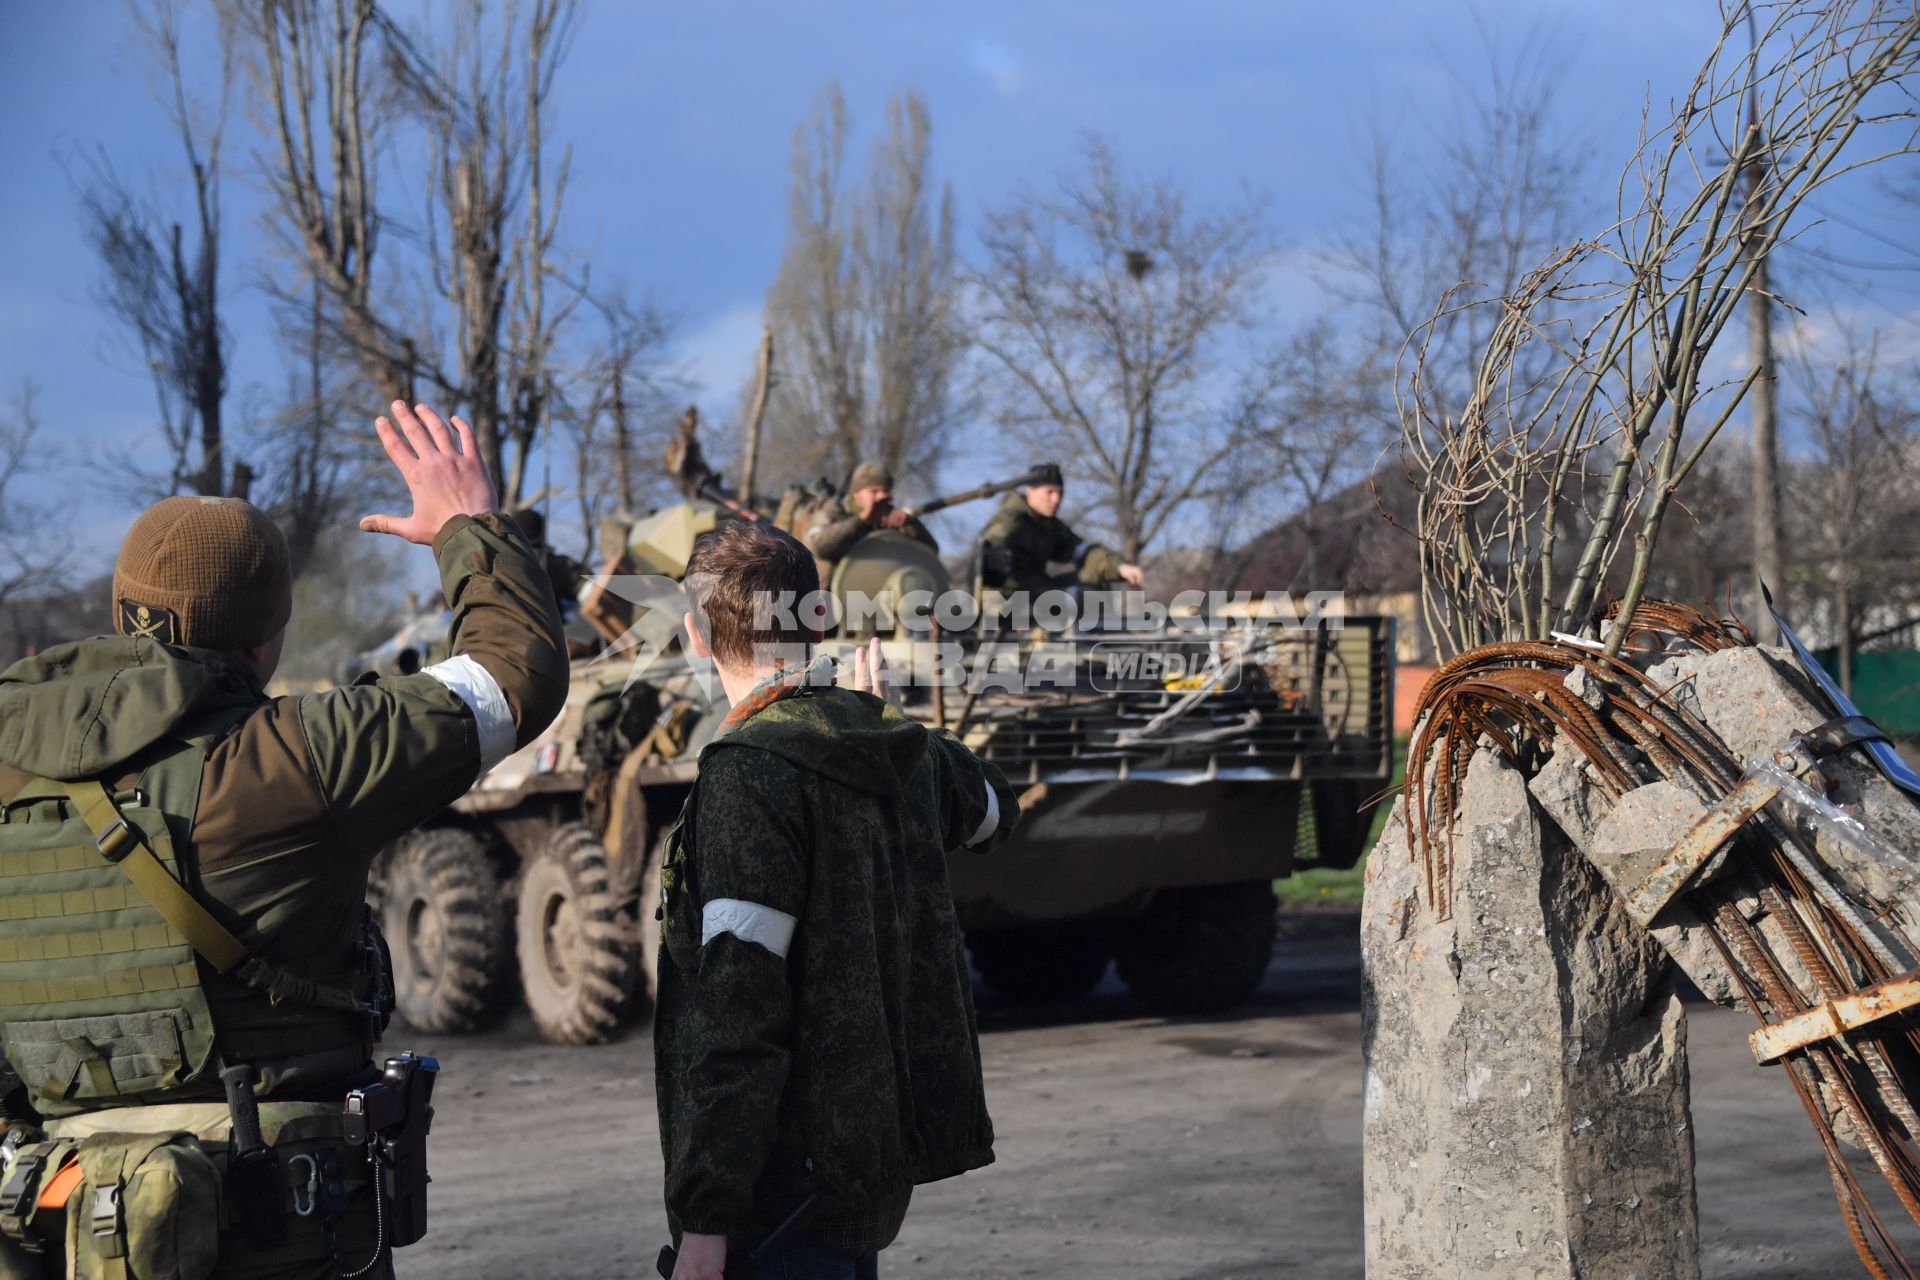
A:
<point x="998" y="64"/>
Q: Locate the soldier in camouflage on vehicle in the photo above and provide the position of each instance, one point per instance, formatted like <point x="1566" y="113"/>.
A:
<point x="814" y="1033"/>
<point x="868" y="508"/>
<point x="1028" y="547"/>
<point x="183" y="864"/>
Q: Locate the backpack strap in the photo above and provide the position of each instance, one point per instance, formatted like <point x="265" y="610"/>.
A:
<point x="121" y="842"/>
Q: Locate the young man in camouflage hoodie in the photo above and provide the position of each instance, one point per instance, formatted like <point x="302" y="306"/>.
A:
<point x="814" y="1035"/>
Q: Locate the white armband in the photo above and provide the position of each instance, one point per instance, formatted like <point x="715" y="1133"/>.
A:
<point x="474" y="685"/>
<point x="988" y="824"/>
<point x="749" y="922"/>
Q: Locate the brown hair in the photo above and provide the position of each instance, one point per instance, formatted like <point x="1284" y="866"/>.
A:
<point x="755" y="594"/>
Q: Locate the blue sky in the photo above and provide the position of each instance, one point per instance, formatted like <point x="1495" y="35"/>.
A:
<point x="680" y="117"/>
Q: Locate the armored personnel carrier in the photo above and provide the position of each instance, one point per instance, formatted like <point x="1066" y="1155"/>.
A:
<point x="1165" y="774"/>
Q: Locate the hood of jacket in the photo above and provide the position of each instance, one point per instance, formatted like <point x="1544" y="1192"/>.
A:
<point x="80" y="710"/>
<point x="1015" y="501"/>
<point x="854" y="739"/>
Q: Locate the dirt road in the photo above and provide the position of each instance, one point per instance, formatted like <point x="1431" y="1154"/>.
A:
<point x="1129" y="1147"/>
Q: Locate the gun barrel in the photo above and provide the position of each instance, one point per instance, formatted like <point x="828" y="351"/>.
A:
<point x="994" y="489"/>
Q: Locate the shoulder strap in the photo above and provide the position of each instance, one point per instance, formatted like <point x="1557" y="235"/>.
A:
<point x="120" y="842"/>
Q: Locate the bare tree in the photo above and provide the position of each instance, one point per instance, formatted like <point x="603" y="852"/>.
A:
<point x="535" y="322"/>
<point x="1112" y="320"/>
<point x="626" y="418"/>
<point x="162" y="275"/>
<point x="863" y="308"/>
<point x="1537" y="450"/>
<point x="32" y="554"/>
<point x="489" y="231"/>
<point x="491" y="239"/>
<point x="1466" y="201"/>
<point x="326" y="126"/>
<point x="318" y="469"/>
<point x="1856" y="493"/>
<point x="1311" y="442"/>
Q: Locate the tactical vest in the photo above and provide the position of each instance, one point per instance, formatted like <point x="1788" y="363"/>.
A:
<point x="119" y="988"/>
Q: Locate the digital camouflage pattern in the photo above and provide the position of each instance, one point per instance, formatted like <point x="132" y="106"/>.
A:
<point x="1037" y="544"/>
<point x="831" y="540"/>
<point x="850" y="1067"/>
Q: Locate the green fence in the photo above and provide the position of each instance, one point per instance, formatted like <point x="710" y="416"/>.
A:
<point x="1886" y="687"/>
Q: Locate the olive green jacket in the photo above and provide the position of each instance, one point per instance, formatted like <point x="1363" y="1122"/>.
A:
<point x="814" y="1029"/>
<point x="1047" y="553"/>
<point x="830" y="540"/>
<point x="298" y="793"/>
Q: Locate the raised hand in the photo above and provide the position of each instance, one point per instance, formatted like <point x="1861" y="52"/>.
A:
<point x="870" y="674"/>
<point x="442" y="469"/>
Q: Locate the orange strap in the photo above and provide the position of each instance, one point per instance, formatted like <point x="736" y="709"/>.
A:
<point x="60" y="1186"/>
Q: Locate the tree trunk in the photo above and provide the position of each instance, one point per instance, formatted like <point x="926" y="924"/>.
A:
<point x="763" y="380"/>
<point x="1843" y="623"/>
<point x="1766" y="448"/>
<point x="622" y="442"/>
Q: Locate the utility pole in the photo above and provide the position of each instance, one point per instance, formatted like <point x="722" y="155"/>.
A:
<point x="762" y="383"/>
<point x="1766" y="443"/>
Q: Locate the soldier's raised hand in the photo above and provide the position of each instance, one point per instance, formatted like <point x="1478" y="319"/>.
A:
<point x="442" y="469"/>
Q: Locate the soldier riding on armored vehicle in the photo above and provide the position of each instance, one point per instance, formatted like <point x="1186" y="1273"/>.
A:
<point x="1163" y="764"/>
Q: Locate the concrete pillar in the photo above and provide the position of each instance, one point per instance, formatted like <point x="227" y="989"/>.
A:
<point x="1526" y="1071"/>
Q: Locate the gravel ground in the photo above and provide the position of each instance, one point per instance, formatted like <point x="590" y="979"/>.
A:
<point x="1129" y="1147"/>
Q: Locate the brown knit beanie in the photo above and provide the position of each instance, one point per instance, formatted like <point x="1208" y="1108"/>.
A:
<point x="207" y="572"/>
<point x="869" y="475"/>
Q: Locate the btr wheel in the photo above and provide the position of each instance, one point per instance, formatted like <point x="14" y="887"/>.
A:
<point x="439" y="907"/>
<point x="1199" y="949"/>
<point x="1341" y="820"/>
<point x="577" y="955"/>
<point x="1041" y="964"/>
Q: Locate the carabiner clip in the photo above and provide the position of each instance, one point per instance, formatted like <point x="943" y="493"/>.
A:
<point x="313" y="1186"/>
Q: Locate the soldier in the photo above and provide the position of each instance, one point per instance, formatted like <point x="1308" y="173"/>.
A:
<point x="183" y="863"/>
<point x="1030" y="548"/>
<point x="868" y="509"/>
<point x="813" y="1038"/>
<point x="562" y="570"/>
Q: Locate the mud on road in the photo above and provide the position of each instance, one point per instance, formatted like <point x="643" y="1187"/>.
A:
<point x="1128" y="1147"/>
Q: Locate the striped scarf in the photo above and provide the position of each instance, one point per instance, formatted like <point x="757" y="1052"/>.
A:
<point x="780" y="685"/>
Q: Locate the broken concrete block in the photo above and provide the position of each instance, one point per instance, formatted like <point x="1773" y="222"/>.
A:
<point x="1755" y="699"/>
<point x="1633" y="840"/>
<point x="1526" y="1076"/>
<point x="1624" y="841"/>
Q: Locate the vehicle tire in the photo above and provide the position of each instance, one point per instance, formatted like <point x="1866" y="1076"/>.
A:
<point x="1200" y="949"/>
<point x="1041" y="964"/>
<point x="644" y="983"/>
<point x="439" y="906"/>
<point x="577" y="955"/>
<point x="1340" y="824"/>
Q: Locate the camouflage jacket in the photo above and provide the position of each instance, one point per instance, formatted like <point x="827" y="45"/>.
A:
<point x="297" y="794"/>
<point x="830" y="540"/>
<point x="1047" y="554"/>
<point x="814" y="1029"/>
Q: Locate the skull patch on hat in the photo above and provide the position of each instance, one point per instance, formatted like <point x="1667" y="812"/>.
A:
<point x="149" y="622"/>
